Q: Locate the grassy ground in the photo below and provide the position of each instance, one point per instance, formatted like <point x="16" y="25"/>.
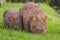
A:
<point x="53" y="32"/>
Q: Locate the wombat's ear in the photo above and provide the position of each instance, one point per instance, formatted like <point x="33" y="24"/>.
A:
<point x="5" y="13"/>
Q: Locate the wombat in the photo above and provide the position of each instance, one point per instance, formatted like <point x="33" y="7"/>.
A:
<point x="12" y="19"/>
<point x="28" y="6"/>
<point x="32" y="16"/>
<point x="34" y="23"/>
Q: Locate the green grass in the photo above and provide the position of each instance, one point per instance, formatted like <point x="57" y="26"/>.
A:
<point x="53" y="32"/>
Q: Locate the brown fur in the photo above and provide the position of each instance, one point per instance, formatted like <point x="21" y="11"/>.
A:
<point x="32" y="16"/>
<point x="31" y="20"/>
<point x="27" y="6"/>
<point x="11" y="19"/>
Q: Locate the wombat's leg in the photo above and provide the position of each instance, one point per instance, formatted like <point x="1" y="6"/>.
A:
<point x="17" y="26"/>
<point x="6" y="25"/>
<point x="27" y="28"/>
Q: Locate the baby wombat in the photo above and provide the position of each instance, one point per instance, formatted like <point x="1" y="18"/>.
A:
<point x="38" y="25"/>
<point x="11" y="19"/>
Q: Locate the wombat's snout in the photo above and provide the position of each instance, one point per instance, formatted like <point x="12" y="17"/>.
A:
<point x="11" y="18"/>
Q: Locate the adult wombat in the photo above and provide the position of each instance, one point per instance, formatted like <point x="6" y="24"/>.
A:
<point x="34" y="23"/>
<point x="32" y="16"/>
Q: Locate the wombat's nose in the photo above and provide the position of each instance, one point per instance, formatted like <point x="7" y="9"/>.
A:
<point x="37" y="29"/>
<point x="42" y="30"/>
<point x="11" y="19"/>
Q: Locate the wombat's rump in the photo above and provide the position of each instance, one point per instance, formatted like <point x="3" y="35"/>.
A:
<point x="11" y="19"/>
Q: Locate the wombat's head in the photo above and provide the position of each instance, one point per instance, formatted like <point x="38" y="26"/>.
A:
<point x="11" y="19"/>
<point x="37" y="25"/>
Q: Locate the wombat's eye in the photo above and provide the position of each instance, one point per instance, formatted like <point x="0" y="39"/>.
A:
<point x="37" y="29"/>
<point x="34" y="26"/>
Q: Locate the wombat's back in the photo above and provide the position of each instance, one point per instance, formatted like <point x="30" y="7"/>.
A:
<point x="27" y="7"/>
